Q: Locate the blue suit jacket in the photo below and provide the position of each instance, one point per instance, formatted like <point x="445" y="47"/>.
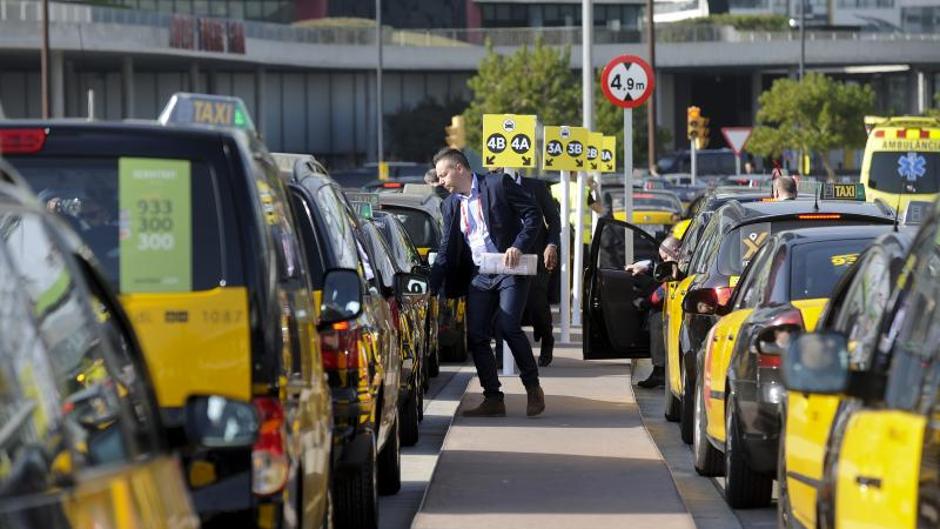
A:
<point x="511" y="216"/>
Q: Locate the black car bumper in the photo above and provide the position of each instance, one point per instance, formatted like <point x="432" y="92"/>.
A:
<point x="759" y="408"/>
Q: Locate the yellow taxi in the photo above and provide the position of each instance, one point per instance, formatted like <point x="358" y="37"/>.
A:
<point x="190" y="223"/>
<point x="854" y="310"/>
<point x="902" y="160"/>
<point x="655" y="212"/>
<point x="83" y="443"/>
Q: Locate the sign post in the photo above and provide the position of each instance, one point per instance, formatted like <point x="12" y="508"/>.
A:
<point x="737" y="138"/>
<point x="564" y="151"/>
<point x="628" y="81"/>
<point x="509" y="143"/>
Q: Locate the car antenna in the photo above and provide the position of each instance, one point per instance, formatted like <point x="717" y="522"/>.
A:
<point x="897" y="208"/>
<point x="818" y="192"/>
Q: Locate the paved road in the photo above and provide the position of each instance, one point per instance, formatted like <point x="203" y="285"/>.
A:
<point x="417" y="462"/>
<point x="702" y="496"/>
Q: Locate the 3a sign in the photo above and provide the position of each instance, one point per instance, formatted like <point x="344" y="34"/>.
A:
<point x="508" y="140"/>
<point x="627" y="81"/>
<point x="609" y="155"/>
<point x="565" y="148"/>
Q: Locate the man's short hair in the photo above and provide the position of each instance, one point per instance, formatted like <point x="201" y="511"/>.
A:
<point x="452" y="156"/>
<point x="431" y="178"/>
<point x="787" y="184"/>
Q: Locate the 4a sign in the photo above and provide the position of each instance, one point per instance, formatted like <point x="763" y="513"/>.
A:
<point x="508" y="140"/>
<point x="627" y="81"/>
<point x="566" y="148"/>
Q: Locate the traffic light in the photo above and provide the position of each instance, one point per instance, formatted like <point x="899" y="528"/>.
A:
<point x="703" y="133"/>
<point x="456" y="133"/>
<point x="694" y="115"/>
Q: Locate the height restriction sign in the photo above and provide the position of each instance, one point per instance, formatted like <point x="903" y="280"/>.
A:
<point x="565" y="148"/>
<point x="508" y="140"/>
<point x="627" y="81"/>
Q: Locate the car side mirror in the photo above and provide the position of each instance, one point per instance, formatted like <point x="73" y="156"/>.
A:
<point x="219" y="422"/>
<point x="817" y="362"/>
<point x="666" y="271"/>
<point x="411" y="284"/>
<point x="342" y="296"/>
<point x="707" y="301"/>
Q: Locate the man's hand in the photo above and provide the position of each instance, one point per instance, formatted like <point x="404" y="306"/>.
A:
<point x="551" y="257"/>
<point x="512" y="257"/>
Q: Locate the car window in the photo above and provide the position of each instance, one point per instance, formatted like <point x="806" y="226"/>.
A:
<point x="862" y="307"/>
<point x="336" y="229"/>
<point x="905" y="172"/>
<point x="611" y="254"/>
<point x="749" y="291"/>
<point x="708" y="246"/>
<point x="381" y="255"/>
<point x="155" y="224"/>
<point x="817" y="266"/>
<point x="691" y="239"/>
<point x="304" y="222"/>
<point x="420" y="226"/>
<point x="70" y="388"/>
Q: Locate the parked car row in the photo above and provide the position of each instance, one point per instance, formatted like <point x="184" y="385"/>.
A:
<point x="798" y="349"/>
<point x="207" y="331"/>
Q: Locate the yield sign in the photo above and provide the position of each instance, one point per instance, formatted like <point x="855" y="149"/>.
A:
<point x="736" y="137"/>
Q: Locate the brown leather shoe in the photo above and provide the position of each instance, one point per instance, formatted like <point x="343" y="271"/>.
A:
<point x="536" y="401"/>
<point x="488" y="408"/>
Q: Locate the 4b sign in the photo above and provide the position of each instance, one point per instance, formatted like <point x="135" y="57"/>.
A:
<point x="565" y="149"/>
<point x="508" y="140"/>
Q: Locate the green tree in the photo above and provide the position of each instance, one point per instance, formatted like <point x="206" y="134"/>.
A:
<point x="815" y="115"/>
<point x="536" y="80"/>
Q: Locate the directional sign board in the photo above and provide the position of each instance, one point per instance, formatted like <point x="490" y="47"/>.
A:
<point x="627" y="81"/>
<point x="565" y="148"/>
<point x="736" y="137"/>
<point x="609" y="155"/>
<point x="508" y="140"/>
<point x="593" y="155"/>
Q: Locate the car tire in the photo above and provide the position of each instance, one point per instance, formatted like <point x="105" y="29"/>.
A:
<point x="744" y="488"/>
<point x="672" y="405"/>
<point x="356" y="495"/>
<point x="687" y="407"/>
<point x="389" y="464"/>
<point x="409" y="417"/>
<point x="784" y="509"/>
<point x="706" y="459"/>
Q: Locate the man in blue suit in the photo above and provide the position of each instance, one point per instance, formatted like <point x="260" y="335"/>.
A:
<point x="488" y="214"/>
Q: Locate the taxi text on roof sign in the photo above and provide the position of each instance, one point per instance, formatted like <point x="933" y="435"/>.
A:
<point x="204" y="109"/>
<point x="843" y="192"/>
<point x="565" y="148"/>
<point x="509" y="140"/>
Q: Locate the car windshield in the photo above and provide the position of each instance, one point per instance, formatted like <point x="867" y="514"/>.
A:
<point x="815" y="267"/>
<point x="905" y="172"/>
<point x="154" y="224"/>
<point x="740" y="245"/>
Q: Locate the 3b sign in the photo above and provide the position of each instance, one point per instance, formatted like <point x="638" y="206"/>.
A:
<point x="508" y="140"/>
<point x="565" y="149"/>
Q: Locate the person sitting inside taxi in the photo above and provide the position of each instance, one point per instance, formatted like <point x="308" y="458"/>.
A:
<point x="668" y="251"/>
<point x="784" y="188"/>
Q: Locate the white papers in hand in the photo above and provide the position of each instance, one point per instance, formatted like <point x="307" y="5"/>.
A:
<point x="493" y="264"/>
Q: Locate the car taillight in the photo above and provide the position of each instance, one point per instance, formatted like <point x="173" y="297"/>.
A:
<point x="269" y="466"/>
<point x="879" y="133"/>
<point x="820" y="216"/>
<point x="340" y="347"/>
<point x="22" y="141"/>
<point x="723" y="295"/>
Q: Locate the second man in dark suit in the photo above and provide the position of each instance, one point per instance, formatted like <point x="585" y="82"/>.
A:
<point x="488" y="214"/>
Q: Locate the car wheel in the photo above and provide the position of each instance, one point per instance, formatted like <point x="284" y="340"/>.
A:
<point x="672" y="405"/>
<point x="355" y="491"/>
<point x="389" y="464"/>
<point x="705" y="457"/>
<point x="687" y="407"/>
<point x="408" y="418"/>
<point x="744" y="488"/>
<point x="784" y="510"/>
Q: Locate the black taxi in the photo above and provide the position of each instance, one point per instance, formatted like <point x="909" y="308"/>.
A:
<point x="82" y="434"/>
<point x="191" y="225"/>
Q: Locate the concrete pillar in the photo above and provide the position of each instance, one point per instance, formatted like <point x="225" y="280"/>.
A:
<point x="260" y="107"/>
<point x="194" y="77"/>
<point x="919" y="91"/>
<point x="757" y="88"/>
<point x="71" y="90"/>
<point x="127" y="87"/>
<point x="57" y="82"/>
<point x="665" y="101"/>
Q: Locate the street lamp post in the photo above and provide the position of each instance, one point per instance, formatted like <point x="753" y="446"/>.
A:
<point x="44" y="61"/>
<point x="651" y="103"/>
<point x="378" y="86"/>
<point x="802" y="38"/>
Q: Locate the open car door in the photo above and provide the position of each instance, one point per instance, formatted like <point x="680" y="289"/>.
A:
<point x="613" y="326"/>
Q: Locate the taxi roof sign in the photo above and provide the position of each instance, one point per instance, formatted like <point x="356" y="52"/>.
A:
<point x="204" y="109"/>
<point x="831" y="191"/>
